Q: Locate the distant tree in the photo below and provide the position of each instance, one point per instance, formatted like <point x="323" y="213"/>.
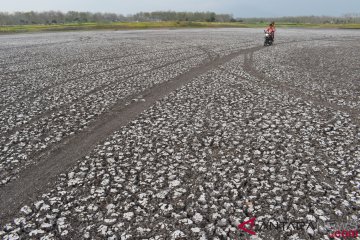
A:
<point x="211" y="17"/>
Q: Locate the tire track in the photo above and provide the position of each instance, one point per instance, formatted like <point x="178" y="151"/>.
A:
<point x="62" y="107"/>
<point x="40" y="177"/>
<point x="8" y="173"/>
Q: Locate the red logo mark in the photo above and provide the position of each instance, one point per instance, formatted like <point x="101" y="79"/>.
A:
<point x="252" y="225"/>
<point x="345" y="234"/>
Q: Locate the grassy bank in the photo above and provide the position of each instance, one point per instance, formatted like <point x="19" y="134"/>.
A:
<point x="159" y="25"/>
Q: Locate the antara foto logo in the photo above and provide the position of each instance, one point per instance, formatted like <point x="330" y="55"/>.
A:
<point x="250" y="222"/>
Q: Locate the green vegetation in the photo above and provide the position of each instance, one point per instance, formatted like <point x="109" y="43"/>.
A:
<point x="59" y="21"/>
<point x="157" y="25"/>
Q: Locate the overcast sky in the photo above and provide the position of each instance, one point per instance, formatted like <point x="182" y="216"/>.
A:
<point x="239" y="8"/>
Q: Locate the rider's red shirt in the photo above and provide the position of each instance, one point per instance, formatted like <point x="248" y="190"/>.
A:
<point x="270" y="29"/>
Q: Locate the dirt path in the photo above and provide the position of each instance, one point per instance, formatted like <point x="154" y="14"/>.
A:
<point x="37" y="178"/>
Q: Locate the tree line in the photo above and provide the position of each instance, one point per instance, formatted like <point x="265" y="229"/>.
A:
<point x="56" y="17"/>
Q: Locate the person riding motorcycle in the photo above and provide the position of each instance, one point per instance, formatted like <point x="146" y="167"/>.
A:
<point x="271" y="29"/>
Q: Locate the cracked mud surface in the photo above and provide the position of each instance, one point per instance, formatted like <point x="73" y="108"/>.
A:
<point x="222" y="130"/>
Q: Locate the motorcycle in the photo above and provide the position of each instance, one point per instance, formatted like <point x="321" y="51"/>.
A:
<point x="268" y="38"/>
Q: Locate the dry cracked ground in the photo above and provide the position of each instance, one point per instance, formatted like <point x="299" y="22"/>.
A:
<point x="179" y="134"/>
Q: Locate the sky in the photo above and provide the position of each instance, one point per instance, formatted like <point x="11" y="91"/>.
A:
<point x="239" y="8"/>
